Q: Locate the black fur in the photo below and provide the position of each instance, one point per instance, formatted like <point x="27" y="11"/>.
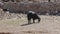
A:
<point x="32" y="15"/>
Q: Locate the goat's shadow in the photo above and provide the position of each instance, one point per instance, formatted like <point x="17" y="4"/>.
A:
<point x="26" y="24"/>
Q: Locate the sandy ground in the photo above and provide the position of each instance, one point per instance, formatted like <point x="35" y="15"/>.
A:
<point x="47" y="25"/>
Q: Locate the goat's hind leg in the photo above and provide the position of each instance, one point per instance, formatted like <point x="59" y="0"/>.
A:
<point x="33" y="20"/>
<point x="39" y="19"/>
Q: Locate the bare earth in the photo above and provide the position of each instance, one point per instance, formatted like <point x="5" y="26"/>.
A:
<point x="47" y="25"/>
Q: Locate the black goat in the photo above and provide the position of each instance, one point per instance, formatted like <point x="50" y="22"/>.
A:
<point x="32" y="15"/>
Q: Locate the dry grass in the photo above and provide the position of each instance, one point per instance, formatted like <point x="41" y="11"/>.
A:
<point x="47" y="25"/>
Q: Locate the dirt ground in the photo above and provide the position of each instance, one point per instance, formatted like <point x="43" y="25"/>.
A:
<point x="47" y="25"/>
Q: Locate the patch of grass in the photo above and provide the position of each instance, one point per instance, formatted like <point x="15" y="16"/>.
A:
<point x="13" y="21"/>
